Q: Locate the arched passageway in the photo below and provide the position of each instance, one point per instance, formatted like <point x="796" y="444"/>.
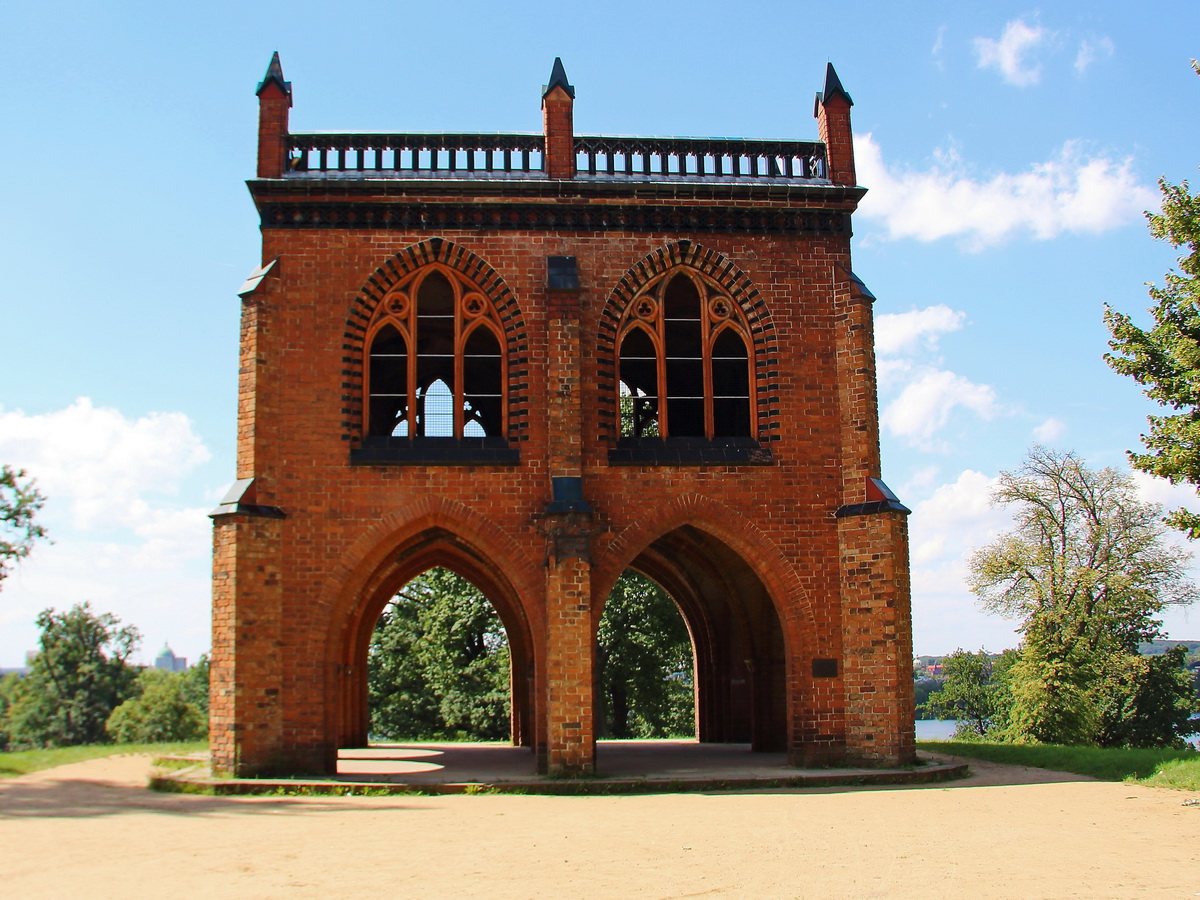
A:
<point x="432" y="550"/>
<point x="740" y="669"/>
<point x="438" y="667"/>
<point x="645" y="664"/>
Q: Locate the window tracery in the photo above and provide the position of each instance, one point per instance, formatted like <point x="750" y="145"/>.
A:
<point x="684" y="367"/>
<point x="435" y="365"/>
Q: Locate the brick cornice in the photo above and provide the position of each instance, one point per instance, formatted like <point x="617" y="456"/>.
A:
<point x="806" y="194"/>
<point x="557" y="217"/>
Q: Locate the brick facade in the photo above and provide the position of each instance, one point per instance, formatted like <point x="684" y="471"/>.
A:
<point x="786" y="555"/>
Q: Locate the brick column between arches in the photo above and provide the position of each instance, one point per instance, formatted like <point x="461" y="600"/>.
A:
<point x="877" y="639"/>
<point x="571" y="733"/>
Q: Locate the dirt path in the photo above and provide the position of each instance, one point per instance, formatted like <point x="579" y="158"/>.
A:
<point x="92" y="830"/>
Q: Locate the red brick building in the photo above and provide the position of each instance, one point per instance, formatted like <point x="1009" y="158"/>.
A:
<point x="539" y="360"/>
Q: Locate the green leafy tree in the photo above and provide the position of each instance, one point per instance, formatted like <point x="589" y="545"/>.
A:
<point x="19" y="503"/>
<point x="77" y="679"/>
<point x="438" y="664"/>
<point x="158" y="712"/>
<point x="924" y="688"/>
<point x="1149" y="701"/>
<point x="974" y="692"/>
<point x="1087" y="571"/>
<point x="10" y="687"/>
<point x="194" y="688"/>
<point x="1165" y="359"/>
<point x="645" y="661"/>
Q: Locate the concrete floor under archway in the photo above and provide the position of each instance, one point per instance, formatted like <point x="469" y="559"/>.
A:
<point x="452" y="763"/>
<point x="682" y="763"/>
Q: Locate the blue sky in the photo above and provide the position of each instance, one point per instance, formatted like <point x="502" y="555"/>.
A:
<point x="1009" y="151"/>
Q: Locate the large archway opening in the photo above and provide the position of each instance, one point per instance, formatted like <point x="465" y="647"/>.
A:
<point x="740" y="657"/>
<point x="645" y="666"/>
<point x="439" y="665"/>
<point x="448" y="640"/>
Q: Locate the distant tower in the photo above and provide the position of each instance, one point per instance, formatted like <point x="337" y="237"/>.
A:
<point x="540" y="360"/>
<point x="169" y="661"/>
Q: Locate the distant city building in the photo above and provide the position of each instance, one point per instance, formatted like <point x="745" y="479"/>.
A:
<point x="169" y="661"/>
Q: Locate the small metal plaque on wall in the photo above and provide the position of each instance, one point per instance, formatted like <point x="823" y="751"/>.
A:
<point x="825" y="668"/>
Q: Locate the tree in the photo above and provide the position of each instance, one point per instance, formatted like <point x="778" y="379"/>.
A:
<point x="644" y="654"/>
<point x="77" y="679"/>
<point x="158" y="712"/>
<point x="974" y="692"/>
<point x="19" y="503"/>
<point x="1165" y="359"/>
<point x="194" y="687"/>
<point x="1087" y="571"/>
<point x="10" y="686"/>
<point x="438" y="664"/>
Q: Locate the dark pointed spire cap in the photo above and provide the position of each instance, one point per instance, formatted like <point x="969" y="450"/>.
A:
<point x="275" y="75"/>
<point x="558" y="78"/>
<point x="833" y="89"/>
<point x="833" y="86"/>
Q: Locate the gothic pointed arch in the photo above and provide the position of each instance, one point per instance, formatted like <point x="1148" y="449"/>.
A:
<point x="732" y="322"/>
<point x="769" y="563"/>
<point x="428" y="532"/>
<point x="752" y="625"/>
<point x="489" y="344"/>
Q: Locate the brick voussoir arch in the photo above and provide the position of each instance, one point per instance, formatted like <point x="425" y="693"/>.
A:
<point x="721" y="271"/>
<point x="345" y="589"/>
<point x="755" y="548"/>
<point x="474" y="268"/>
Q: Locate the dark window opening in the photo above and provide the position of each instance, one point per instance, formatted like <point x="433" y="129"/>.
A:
<point x="483" y="406"/>
<point x="731" y="385"/>
<point x="388" y="378"/>
<point x="639" y="385"/>
<point x="685" y="369"/>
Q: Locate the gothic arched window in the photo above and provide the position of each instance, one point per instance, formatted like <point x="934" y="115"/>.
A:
<point x="434" y="365"/>
<point x="684" y="364"/>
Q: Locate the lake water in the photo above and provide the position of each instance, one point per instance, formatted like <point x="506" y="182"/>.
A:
<point x="935" y="729"/>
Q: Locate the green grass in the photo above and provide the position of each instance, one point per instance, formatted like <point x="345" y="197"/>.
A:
<point x="1105" y="763"/>
<point x="1177" y="774"/>
<point x="20" y="762"/>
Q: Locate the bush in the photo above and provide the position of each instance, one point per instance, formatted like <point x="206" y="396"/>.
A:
<point x="158" y="713"/>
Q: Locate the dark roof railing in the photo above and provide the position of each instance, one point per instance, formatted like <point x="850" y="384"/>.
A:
<point x="668" y="158"/>
<point x="522" y="155"/>
<point x="393" y="154"/>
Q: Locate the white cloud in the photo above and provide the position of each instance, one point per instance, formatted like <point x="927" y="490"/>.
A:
<point x="1159" y="490"/>
<point x="925" y="404"/>
<point x="901" y="332"/>
<point x="1070" y="194"/>
<point x="99" y="463"/>
<point x="128" y="528"/>
<point x="1092" y="50"/>
<point x="167" y="598"/>
<point x="173" y="535"/>
<point x="1050" y="431"/>
<point x="945" y="529"/>
<point x="938" y="44"/>
<point x="1008" y="55"/>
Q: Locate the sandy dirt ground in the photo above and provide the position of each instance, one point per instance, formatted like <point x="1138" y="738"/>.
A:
<point x="92" y="830"/>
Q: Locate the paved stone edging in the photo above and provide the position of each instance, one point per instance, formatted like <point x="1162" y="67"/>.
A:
<point x="195" y="780"/>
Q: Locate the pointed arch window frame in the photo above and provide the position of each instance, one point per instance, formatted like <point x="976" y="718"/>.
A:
<point x="718" y="314"/>
<point x="399" y="309"/>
